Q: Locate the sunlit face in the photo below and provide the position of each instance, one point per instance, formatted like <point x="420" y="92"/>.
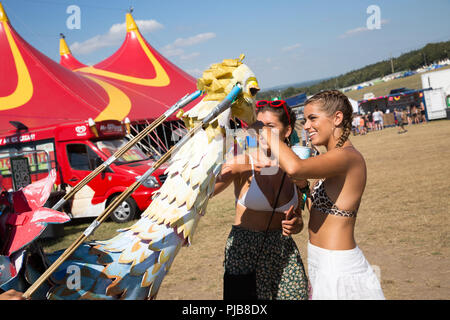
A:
<point x="271" y="120"/>
<point x="319" y="124"/>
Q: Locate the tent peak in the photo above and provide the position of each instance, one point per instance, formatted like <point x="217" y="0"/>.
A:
<point x="67" y="59"/>
<point x="63" y="47"/>
<point x="131" y="24"/>
<point x="3" y="16"/>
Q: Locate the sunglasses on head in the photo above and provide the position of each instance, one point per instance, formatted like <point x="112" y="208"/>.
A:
<point x="274" y="104"/>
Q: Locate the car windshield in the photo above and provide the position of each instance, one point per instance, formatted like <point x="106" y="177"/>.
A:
<point x="109" y="147"/>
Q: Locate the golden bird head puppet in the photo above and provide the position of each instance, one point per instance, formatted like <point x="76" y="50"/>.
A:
<point x="219" y="80"/>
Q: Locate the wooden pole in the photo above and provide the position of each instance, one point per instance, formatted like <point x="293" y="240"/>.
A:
<point x="181" y="103"/>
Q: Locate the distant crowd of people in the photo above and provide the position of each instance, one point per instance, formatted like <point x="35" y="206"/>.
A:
<point x="374" y="121"/>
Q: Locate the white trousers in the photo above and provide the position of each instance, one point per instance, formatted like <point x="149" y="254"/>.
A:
<point x="341" y="275"/>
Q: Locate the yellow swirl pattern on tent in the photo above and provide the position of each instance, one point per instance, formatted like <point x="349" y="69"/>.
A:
<point x="119" y="105"/>
<point x="24" y="89"/>
<point x="161" y="78"/>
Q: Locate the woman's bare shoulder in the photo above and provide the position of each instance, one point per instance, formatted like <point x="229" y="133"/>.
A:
<point x="351" y="153"/>
<point x="356" y="155"/>
<point x="357" y="163"/>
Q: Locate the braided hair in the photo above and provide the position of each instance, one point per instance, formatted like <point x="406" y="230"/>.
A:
<point x="331" y="102"/>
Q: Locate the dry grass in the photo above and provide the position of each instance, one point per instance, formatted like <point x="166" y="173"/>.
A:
<point x="402" y="226"/>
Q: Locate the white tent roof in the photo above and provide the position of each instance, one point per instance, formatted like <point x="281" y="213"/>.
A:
<point x="354" y="105"/>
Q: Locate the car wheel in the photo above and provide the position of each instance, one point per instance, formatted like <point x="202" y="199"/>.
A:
<point x="125" y="211"/>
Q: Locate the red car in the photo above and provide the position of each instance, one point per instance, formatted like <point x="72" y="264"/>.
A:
<point x="74" y="150"/>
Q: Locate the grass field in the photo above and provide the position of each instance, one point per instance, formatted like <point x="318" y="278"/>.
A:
<point x="403" y="224"/>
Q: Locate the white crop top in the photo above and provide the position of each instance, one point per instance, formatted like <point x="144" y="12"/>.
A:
<point x="255" y="199"/>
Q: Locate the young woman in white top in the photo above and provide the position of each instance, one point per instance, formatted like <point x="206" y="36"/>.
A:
<point x="274" y="256"/>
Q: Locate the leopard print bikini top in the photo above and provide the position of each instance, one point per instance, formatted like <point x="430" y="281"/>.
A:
<point x="322" y="202"/>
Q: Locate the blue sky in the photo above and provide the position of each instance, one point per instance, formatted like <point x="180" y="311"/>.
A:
<point x="285" y="41"/>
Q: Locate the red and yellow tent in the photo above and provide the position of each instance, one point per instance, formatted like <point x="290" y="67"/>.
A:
<point x="135" y="82"/>
<point x="37" y="91"/>
<point x="150" y="82"/>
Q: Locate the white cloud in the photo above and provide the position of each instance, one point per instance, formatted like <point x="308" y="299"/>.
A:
<point x="196" y="73"/>
<point x="175" y="48"/>
<point x="187" y="42"/>
<point x="290" y="48"/>
<point x="172" y="52"/>
<point x="115" y="36"/>
<point x="355" y="31"/>
<point x="190" y="56"/>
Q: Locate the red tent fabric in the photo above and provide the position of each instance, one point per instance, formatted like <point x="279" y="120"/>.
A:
<point x="136" y="82"/>
<point x="150" y="81"/>
<point x="66" y="57"/>
<point x="37" y="91"/>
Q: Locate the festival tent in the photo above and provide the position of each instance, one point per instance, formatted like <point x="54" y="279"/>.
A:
<point x="354" y="104"/>
<point x="35" y="91"/>
<point x="66" y="57"/>
<point x="149" y="81"/>
<point x="136" y="82"/>
<point x="296" y="100"/>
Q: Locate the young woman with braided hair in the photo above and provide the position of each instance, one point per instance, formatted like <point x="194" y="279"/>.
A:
<point x="337" y="267"/>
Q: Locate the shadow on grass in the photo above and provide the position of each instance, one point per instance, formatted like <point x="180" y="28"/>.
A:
<point x="70" y="231"/>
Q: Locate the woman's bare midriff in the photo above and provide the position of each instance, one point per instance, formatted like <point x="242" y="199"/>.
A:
<point x="257" y="220"/>
<point x="331" y="232"/>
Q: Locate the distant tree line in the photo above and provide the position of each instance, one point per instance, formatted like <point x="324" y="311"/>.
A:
<point x="431" y="53"/>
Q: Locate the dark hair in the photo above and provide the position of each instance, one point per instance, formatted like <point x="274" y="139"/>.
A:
<point x="281" y="114"/>
<point x="331" y="102"/>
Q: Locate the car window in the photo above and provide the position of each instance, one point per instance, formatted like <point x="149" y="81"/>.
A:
<point x="81" y="157"/>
